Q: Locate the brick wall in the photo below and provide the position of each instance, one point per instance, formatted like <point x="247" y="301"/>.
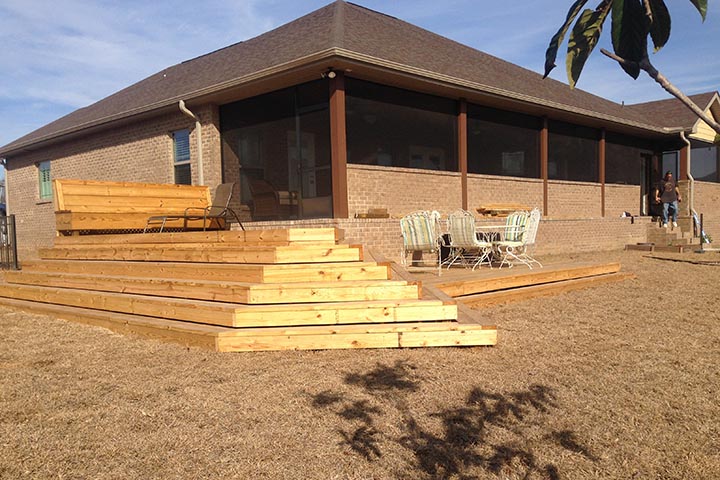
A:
<point x="139" y="152"/>
<point x="573" y="199"/>
<point x="402" y="190"/>
<point x="555" y="236"/>
<point x="707" y="202"/>
<point x="484" y="189"/>
<point x="621" y="198"/>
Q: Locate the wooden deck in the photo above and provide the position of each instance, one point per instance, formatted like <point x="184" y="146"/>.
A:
<point x="273" y="290"/>
<point x="238" y="291"/>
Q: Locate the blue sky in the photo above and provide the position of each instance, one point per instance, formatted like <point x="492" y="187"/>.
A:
<point x="61" y="55"/>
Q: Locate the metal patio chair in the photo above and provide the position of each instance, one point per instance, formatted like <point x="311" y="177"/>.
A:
<point x="421" y="233"/>
<point x="517" y="238"/>
<point x="465" y="247"/>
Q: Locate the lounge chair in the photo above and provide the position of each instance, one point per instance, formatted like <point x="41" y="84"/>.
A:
<point x="217" y="216"/>
<point x="464" y="244"/>
<point x="421" y="233"/>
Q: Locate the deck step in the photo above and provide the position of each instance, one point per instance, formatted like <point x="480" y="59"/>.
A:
<point x="311" y="272"/>
<point x="509" y="279"/>
<point x="405" y="334"/>
<point x="236" y="315"/>
<point x="232" y="292"/>
<point x="533" y="291"/>
<point x="301" y="236"/>
<point x="213" y="253"/>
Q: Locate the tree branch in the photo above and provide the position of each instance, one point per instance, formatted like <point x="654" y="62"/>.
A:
<point x="648" y="67"/>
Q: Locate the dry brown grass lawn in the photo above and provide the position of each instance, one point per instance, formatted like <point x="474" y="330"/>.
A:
<point x="619" y="381"/>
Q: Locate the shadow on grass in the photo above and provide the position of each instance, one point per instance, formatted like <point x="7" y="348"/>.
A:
<point x="461" y="444"/>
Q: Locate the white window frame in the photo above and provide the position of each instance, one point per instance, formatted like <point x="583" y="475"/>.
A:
<point x="176" y="162"/>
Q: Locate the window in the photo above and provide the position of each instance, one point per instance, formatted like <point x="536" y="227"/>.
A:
<point x="44" y="180"/>
<point x="624" y="159"/>
<point x="392" y="127"/>
<point x="181" y="157"/>
<point x="572" y="152"/>
<point x="278" y="145"/>
<point x="705" y="162"/>
<point x="503" y="143"/>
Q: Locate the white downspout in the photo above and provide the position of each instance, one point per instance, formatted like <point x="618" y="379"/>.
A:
<point x="198" y="135"/>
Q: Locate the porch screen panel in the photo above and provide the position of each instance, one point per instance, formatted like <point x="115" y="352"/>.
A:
<point x="572" y="152"/>
<point x="503" y="143"/>
<point x="704" y="162"/>
<point x="280" y="143"/>
<point x="393" y="127"/>
<point x="624" y="159"/>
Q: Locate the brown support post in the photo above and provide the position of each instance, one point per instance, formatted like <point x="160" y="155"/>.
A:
<point x="462" y="151"/>
<point x="601" y="172"/>
<point x="544" y="163"/>
<point x="338" y="146"/>
<point x="684" y="156"/>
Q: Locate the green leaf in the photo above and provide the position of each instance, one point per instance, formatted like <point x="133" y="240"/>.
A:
<point x="630" y="28"/>
<point x="556" y="40"/>
<point x="717" y="139"/>
<point x="660" y="27"/>
<point x="583" y="38"/>
<point x="701" y="6"/>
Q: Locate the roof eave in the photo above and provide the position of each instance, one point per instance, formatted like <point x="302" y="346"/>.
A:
<point x="321" y="56"/>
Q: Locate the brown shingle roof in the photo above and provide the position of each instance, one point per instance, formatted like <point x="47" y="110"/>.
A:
<point x="672" y="112"/>
<point x="347" y="30"/>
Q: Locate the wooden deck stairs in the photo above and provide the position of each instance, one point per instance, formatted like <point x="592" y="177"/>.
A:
<point x="237" y="291"/>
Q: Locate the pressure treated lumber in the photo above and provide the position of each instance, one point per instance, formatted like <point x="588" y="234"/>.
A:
<point x="232" y="292"/>
<point x="94" y="221"/>
<point x="283" y="273"/>
<point x="92" y="205"/>
<point x="439" y="334"/>
<point x="528" y="292"/>
<point x="315" y="236"/>
<point x="502" y="279"/>
<point x="224" y="339"/>
<point x="235" y="315"/>
<point x="216" y="254"/>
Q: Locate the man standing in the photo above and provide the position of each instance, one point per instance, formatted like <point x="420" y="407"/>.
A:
<point x="668" y="193"/>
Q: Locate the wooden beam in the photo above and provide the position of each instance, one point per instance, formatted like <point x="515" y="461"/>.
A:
<point x="684" y="163"/>
<point x="225" y="339"/>
<point x="314" y="272"/>
<point x="289" y="236"/>
<point x="216" y="254"/>
<point x="232" y="292"/>
<point x="544" y="141"/>
<point x="512" y="278"/>
<point x="601" y="170"/>
<point x="235" y="315"/>
<point x="338" y="146"/>
<point x="463" y="151"/>
<point x="533" y="291"/>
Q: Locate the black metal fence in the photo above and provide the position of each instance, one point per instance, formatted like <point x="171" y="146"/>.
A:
<point x="8" y="244"/>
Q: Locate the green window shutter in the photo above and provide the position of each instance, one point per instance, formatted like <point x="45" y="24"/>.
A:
<point x="45" y="182"/>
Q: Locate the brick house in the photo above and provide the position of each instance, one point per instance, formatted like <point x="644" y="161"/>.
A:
<point x="346" y="109"/>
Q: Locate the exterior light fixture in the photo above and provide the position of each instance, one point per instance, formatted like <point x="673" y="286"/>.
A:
<point x="329" y="73"/>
